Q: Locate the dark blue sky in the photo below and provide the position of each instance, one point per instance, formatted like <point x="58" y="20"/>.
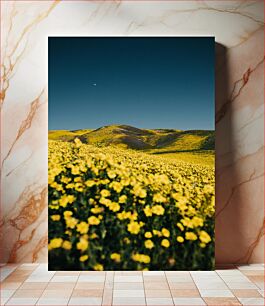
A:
<point x="148" y="82"/>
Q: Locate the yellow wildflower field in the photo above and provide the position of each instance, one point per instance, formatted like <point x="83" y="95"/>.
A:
<point x="120" y="209"/>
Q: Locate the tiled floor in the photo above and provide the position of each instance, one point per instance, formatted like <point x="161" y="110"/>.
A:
<point x="33" y="284"/>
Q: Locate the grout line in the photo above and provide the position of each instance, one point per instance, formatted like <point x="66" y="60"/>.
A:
<point x="172" y="298"/>
<point x="102" y="296"/>
<point x="145" y="298"/>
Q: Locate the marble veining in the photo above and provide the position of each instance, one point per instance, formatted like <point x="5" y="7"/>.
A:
<point x="238" y="27"/>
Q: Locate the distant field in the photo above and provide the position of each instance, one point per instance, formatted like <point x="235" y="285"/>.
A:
<point x="195" y="146"/>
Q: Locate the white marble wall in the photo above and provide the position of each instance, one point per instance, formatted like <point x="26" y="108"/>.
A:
<point x="238" y="28"/>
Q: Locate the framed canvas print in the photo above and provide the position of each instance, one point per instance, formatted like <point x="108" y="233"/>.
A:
<point x="131" y="153"/>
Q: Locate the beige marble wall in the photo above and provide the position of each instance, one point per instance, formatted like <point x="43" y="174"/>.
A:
<point x="238" y="28"/>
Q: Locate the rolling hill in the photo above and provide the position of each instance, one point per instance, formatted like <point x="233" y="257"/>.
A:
<point x="155" y="141"/>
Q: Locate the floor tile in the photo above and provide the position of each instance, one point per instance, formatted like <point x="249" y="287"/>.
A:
<point x="85" y="301"/>
<point x="251" y="301"/>
<point x="159" y="301"/>
<point x="28" y="293"/>
<point x="157" y="293"/>
<point x="156" y="285"/>
<point x="7" y="293"/>
<point x="251" y="267"/>
<point x="241" y="285"/>
<point x="246" y="293"/>
<point x="256" y="278"/>
<point x="155" y="278"/>
<point x="91" y="278"/>
<point x="253" y="272"/>
<point x="182" y="286"/>
<point x="67" y="273"/>
<point x="64" y="279"/>
<point x="87" y="293"/>
<point x="3" y="300"/>
<point x="216" y="293"/>
<point x="22" y="301"/>
<point x="33" y="286"/>
<point x="261" y="292"/>
<point x="107" y="297"/>
<point x="211" y="285"/>
<point x="132" y="286"/>
<point x="56" y="293"/>
<point x="123" y="301"/>
<point x="128" y="293"/>
<point x="10" y="286"/>
<point x="153" y="273"/>
<point x="229" y="272"/>
<point x="95" y="273"/>
<point x="188" y="301"/>
<point x="89" y="285"/>
<point x="183" y="293"/>
<point x="177" y="273"/>
<point x="128" y="273"/>
<point x="39" y="279"/>
<point x="128" y="279"/>
<point x="235" y="278"/>
<point x="53" y="301"/>
<point x="179" y="279"/>
<point x="60" y="286"/>
<point x="218" y="301"/>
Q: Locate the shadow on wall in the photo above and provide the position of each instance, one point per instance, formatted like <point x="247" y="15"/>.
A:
<point x="230" y="224"/>
<point x="223" y="138"/>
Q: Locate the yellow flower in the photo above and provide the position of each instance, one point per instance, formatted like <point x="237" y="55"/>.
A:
<point x="56" y="243"/>
<point x="158" y="210"/>
<point x="148" y="235"/>
<point x="141" y="258"/>
<point x="116" y="257"/>
<point x="117" y="186"/>
<point x="204" y="237"/>
<point x="165" y="232"/>
<point x="83" y="258"/>
<point x="149" y="244"/>
<point x="148" y="211"/>
<point x="82" y="244"/>
<point x="139" y="191"/>
<point x="111" y="174"/>
<point x="180" y="226"/>
<point x="93" y="220"/>
<point x="105" y="193"/>
<point x="78" y="142"/>
<point x="180" y="239"/>
<point x="157" y="233"/>
<point x="82" y="227"/>
<point x="159" y="198"/>
<point x="165" y="243"/>
<point x="98" y="267"/>
<point x="68" y="213"/>
<point x="122" y="199"/>
<point x="71" y="222"/>
<point x="97" y="210"/>
<point x="134" y="227"/>
<point x="197" y="221"/>
<point x="114" y="206"/>
<point x="67" y="245"/>
<point x="55" y="217"/>
<point x="89" y="183"/>
<point x="65" y="199"/>
<point x="190" y="236"/>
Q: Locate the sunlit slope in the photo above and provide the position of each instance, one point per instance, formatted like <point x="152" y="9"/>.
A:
<point x="65" y="135"/>
<point x="156" y="141"/>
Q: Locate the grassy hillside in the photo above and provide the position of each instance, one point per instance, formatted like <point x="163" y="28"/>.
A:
<point x="130" y="137"/>
<point x="196" y="146"/>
